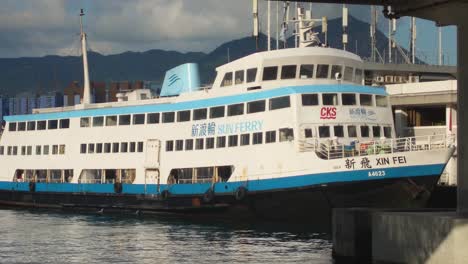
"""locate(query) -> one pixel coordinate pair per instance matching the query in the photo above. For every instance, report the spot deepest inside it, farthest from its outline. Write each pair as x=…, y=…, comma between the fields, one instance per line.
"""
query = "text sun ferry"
x=287, y=133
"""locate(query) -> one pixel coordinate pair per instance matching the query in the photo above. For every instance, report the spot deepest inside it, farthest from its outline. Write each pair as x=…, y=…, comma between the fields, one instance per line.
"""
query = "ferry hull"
x=311, y=204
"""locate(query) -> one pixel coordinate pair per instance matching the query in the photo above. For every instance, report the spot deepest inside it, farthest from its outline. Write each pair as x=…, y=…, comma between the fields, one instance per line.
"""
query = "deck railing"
x=330, y=150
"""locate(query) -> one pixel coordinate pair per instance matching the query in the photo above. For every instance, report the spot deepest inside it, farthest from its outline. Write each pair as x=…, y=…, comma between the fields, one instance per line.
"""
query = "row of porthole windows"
x=188, y=115
x=351, y=131
x=28, y=150
x=115, y=147
x=285, y=134
x=39, y=125
x=346, y=99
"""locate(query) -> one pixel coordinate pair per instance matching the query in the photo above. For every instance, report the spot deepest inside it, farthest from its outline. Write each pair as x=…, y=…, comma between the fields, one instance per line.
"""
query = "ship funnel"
x=181, y=79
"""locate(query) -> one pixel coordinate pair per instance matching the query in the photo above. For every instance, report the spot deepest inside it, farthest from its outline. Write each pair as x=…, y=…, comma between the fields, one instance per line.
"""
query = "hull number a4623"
x=379, y=173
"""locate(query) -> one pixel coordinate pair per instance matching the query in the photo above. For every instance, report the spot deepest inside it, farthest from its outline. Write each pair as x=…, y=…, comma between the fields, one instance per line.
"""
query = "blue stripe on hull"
x=245, y=97
x=229, y=187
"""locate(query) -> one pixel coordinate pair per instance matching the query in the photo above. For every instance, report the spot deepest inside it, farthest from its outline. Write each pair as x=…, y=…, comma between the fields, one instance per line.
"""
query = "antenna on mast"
x=255, y=22
x=87, y=90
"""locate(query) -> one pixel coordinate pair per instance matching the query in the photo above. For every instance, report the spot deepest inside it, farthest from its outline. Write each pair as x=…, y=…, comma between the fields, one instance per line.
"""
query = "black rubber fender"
x=165, y=195
x=32, y=186
x=208, y=196
x=118, y=187
x=241, y=193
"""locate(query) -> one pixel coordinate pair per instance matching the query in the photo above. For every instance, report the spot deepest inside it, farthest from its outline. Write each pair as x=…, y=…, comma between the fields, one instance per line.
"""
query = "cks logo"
x=328, y=113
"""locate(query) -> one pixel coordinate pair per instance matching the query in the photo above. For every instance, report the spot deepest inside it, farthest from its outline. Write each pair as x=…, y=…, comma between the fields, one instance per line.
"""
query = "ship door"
x=152, y=153
x=152, y=176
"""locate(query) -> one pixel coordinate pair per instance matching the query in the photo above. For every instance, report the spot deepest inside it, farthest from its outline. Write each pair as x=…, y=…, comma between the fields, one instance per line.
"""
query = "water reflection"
x=34, y=236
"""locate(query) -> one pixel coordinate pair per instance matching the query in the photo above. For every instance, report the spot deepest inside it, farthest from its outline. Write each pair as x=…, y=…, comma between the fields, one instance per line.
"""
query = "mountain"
x=54, y=73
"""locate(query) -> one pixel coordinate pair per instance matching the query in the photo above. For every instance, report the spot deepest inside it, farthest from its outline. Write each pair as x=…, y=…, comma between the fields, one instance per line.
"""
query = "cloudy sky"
x=42, y=27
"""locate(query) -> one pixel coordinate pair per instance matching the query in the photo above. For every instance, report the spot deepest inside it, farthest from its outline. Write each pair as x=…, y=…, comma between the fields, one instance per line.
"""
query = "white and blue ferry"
x=283, y=133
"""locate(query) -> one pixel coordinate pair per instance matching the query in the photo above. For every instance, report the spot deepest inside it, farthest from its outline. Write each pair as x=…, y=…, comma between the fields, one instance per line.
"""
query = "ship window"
x=307, y=71
x=55, y=176
x=52, y=124
x=98, y=121
x=270, y=136
x=199, y=114
x=322, y=71
x=153, y=118
x=364, y=131
x=204, y=174
x=217, y=111
x=330, y=99
x=107, y=147
x=124, y=147
x=221, y=142
x=251, y=75
x=381, y=100
x=128, y=175
x=140, y=146
x=179, y=145
x=245, y=139
x=111, y=120
x=12, y=126
x=348, y=74
x=41, y=125
x=68, y=175
x=324, y=131
x=352, y=131
x=338, y=131
x=239, y=77
x=99, y=148
x=29, y=150
x=91, y=148
x=23, y=150
x=46, y=149
x=358, y=76
x=124, y=120
x=41, y=175
x=308, y=133
x=168, y=117
x=233, y=141
x=336, y=71
x=22, y=126
x=132, y=146
x=288, y=72
x=169, y=145
x=54, y=149
x=189, y=144
x=84, y=122
x=227, y=80
x=90, y=176
x=286, y=134
x=310, y=99
x=38, y=150
x=15, y=150
x=376, y=131
x=31, y=125
x=83, y=148
x=2, y=150
x=224, y=172
x=387, y=132
x=64, y=123
x=256, y=106
x=183, y=116
x=280, y=102
x=139, y=119
x=270, y=73
x=348, y=99
x=62, y=149
x=199, y=143
x=365, y=99
x=9, y=150
x=210, y=143
x=257, y=138
x=235, y=109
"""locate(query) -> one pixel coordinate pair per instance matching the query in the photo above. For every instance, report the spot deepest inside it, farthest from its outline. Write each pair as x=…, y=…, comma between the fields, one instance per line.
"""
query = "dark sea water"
x=44, y=237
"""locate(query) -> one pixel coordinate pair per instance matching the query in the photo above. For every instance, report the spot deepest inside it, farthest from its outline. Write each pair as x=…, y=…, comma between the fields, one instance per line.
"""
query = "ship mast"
x=87, y=90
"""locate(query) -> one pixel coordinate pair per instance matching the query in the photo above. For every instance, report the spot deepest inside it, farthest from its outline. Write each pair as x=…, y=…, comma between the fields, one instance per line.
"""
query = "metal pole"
x=277, y=24
x=87, y=90
x=440, y=46
x=268, y=25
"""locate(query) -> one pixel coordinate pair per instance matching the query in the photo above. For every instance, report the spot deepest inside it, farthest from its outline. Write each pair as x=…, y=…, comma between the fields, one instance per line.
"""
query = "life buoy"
x=208, y=195
x=165, y=195
x=32, y=186
x=241, y=193
x=118, y=187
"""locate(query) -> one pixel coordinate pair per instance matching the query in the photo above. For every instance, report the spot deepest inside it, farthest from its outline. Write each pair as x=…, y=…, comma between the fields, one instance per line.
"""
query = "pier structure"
x=423, y=236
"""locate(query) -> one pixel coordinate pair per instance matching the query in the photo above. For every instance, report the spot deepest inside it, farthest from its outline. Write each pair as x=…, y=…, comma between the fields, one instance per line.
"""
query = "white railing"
x=328, y=150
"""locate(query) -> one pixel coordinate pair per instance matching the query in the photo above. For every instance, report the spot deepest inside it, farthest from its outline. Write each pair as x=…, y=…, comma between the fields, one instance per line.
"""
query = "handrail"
x=329, y=150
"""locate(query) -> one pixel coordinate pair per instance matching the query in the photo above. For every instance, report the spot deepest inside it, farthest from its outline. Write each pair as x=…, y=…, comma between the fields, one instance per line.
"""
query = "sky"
x=51, y=27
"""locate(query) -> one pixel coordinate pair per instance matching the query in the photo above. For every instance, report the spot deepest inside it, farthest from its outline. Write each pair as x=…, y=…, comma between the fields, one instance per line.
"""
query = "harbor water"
x=31, y=236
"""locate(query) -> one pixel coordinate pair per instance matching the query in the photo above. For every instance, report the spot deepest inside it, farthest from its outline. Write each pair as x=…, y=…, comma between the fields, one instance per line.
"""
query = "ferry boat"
x=288, y=133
